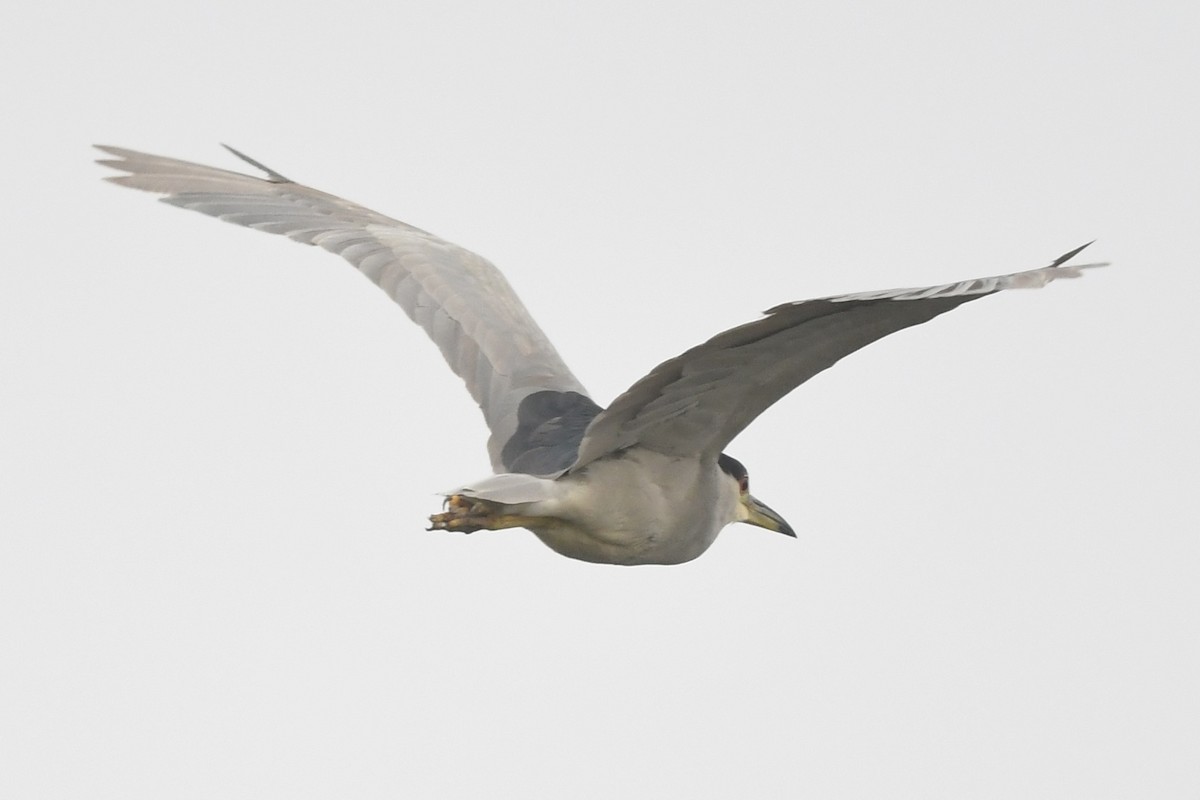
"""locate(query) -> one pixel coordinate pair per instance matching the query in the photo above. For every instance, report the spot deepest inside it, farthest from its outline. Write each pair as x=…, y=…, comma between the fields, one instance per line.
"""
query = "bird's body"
x=644, y=481
x=635, y=506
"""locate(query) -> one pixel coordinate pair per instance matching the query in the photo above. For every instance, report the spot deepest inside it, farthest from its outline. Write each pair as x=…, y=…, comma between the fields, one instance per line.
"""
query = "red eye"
x=744, y=483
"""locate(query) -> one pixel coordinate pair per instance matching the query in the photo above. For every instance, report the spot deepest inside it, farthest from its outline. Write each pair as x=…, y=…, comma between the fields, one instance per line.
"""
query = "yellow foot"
x=464, y=515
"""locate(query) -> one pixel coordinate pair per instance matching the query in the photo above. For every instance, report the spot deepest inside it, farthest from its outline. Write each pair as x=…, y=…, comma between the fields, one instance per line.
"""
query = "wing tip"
x=1027, y=279
x=272, y=175
x=135, y=162
x=113, y=158
x=1065, y=257
x=1061, y=269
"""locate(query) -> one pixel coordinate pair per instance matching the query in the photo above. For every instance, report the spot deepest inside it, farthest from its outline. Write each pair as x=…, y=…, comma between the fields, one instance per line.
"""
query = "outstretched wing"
x=696, y=403
x=461, y=300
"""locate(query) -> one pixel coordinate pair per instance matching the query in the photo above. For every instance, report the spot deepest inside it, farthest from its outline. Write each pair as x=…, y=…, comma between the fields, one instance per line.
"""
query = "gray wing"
x=461, y=300
x=695, y=404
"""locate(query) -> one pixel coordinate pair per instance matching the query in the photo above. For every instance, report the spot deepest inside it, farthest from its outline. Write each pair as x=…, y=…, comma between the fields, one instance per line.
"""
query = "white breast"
x=637, y=507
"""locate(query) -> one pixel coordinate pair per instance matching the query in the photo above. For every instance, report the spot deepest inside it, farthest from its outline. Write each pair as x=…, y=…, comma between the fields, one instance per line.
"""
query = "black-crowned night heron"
x=644, y=481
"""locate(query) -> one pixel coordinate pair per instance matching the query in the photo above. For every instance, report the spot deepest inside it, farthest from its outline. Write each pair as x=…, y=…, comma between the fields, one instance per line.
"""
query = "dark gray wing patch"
x=696, y=403
x=550, y=426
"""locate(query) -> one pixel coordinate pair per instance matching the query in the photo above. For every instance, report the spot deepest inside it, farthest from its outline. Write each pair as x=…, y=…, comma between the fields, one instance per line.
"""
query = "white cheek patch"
x=743, y=513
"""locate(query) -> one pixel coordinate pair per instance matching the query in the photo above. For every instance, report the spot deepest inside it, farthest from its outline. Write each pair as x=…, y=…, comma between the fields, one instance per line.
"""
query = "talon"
x=461, y=515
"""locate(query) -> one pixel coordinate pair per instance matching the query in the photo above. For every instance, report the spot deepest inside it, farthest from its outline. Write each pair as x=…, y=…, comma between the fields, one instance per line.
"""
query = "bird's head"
x=749, y=509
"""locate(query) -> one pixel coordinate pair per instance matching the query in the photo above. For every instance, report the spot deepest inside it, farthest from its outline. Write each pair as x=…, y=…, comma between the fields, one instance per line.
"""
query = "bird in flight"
x=644, y=481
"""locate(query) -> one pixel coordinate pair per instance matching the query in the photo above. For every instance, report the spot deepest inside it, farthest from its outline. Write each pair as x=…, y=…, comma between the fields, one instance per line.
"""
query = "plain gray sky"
x=220, y=448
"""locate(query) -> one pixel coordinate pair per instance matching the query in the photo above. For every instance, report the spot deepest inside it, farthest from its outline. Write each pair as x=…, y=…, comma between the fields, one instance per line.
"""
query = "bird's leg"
x=470, y=514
